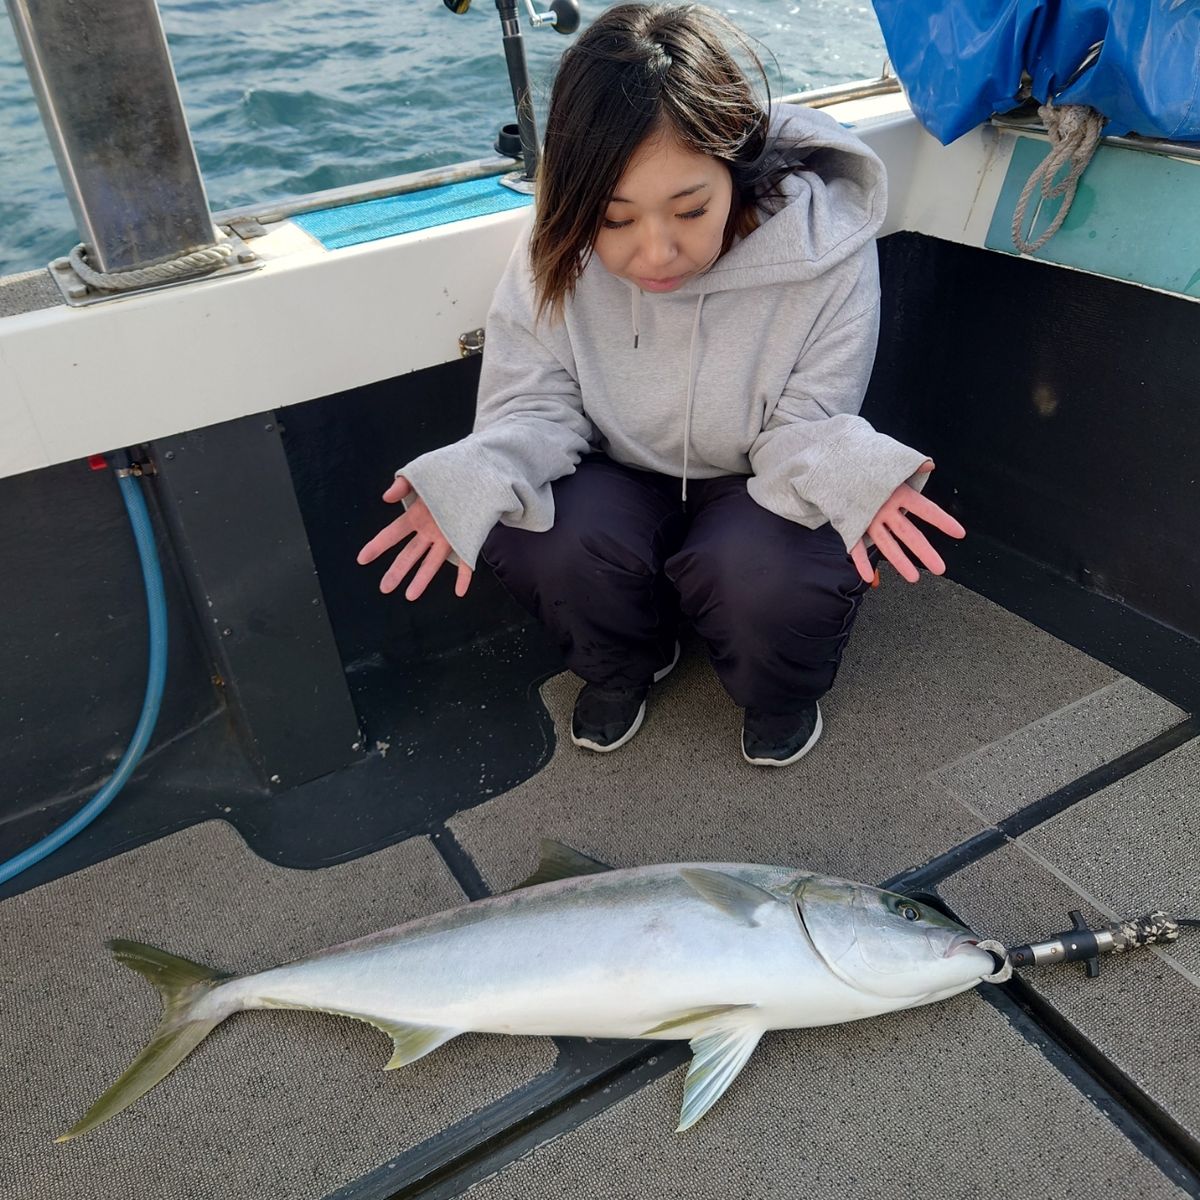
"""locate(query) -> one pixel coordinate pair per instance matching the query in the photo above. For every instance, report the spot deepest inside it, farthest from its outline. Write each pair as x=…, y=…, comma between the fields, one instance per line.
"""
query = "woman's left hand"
x=892, y=527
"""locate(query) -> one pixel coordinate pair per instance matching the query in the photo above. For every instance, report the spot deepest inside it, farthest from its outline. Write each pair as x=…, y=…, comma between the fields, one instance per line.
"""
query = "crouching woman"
x=667, y=425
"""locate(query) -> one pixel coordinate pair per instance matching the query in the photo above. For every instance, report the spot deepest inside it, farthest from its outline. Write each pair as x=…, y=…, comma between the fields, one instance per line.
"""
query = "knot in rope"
x=1074, y=133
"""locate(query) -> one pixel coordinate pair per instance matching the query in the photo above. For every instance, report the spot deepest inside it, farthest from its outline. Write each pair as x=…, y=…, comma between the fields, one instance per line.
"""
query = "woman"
x=667, y=417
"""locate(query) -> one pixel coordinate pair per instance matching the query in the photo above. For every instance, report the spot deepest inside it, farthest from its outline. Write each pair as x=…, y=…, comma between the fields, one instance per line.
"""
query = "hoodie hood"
x=831, y=205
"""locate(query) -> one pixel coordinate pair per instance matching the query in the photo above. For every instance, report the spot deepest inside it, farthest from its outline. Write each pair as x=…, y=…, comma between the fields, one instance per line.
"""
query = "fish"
x=715, y=954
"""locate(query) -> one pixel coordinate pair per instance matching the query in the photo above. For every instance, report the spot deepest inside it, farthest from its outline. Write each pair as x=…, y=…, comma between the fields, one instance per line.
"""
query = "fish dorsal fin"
x=561, y=862
x=733, y=896
x=717, y=1057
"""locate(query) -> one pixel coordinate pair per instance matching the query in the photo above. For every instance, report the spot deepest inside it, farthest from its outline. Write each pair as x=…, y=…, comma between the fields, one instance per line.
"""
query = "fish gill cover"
x=1135, y=61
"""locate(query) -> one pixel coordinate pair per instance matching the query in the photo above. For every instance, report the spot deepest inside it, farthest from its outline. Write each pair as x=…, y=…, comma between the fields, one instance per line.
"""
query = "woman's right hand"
x=428, y=546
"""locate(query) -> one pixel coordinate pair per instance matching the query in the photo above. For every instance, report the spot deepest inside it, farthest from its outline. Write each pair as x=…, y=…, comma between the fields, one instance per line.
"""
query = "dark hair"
x=637, y=70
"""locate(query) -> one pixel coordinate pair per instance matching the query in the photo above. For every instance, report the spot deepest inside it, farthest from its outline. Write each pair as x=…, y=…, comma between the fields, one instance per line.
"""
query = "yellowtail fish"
x=711, y=953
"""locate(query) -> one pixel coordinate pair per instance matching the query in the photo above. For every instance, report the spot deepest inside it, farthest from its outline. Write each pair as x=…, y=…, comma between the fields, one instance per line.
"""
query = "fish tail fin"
x=182, y=984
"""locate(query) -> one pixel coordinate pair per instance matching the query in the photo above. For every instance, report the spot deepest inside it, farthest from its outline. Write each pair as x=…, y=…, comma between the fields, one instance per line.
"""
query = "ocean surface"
x=285, y=97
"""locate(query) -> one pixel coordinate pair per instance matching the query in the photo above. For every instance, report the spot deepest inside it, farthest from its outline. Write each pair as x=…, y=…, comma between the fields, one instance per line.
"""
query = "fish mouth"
x=959, y=943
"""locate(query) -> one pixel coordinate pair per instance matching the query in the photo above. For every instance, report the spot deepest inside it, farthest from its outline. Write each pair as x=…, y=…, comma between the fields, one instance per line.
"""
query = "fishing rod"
x=522, y=140
x=1082, y=943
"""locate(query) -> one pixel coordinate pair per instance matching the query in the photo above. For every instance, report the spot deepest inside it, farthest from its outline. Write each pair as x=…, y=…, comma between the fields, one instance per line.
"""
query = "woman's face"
x=665, y=221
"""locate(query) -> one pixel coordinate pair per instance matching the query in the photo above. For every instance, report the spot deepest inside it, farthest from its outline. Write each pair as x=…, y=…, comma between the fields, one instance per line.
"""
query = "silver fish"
x=712, y=953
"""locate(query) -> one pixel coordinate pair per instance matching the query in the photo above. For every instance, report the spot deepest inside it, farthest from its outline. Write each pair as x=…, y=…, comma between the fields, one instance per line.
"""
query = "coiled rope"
x=196, y=263
x=1074, y=133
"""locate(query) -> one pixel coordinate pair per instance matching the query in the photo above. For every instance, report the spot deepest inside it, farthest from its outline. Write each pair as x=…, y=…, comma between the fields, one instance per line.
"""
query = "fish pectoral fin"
x=717, y=1057
x=702, y=1018
x=734, y=897
x=557, y=861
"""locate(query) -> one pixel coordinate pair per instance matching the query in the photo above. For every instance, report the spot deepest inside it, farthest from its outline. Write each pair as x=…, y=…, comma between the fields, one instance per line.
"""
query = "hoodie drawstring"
x=635, y=319
x=691, y=393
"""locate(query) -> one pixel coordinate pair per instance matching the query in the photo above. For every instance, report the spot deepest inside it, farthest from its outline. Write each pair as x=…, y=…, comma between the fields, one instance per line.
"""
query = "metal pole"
x=103, y=80
x=518, y=75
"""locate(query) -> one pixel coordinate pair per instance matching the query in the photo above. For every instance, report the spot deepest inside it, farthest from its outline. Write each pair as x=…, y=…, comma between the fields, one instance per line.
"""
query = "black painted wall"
x=344, y=451
x=1062, y=410
x=74, y=642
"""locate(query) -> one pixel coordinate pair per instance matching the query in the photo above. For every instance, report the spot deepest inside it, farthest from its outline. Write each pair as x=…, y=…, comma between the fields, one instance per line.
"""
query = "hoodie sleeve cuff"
x=873, y=466
x=463, y=493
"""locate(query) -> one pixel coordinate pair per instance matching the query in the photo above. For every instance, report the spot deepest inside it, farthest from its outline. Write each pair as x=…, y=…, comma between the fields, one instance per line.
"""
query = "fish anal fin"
x=733, y=896
x=557, y=861
x=410, y=1042
x=717, y=1057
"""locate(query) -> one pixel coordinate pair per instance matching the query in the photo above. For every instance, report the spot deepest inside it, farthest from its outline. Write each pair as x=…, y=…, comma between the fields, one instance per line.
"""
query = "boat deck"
x=1016, y=768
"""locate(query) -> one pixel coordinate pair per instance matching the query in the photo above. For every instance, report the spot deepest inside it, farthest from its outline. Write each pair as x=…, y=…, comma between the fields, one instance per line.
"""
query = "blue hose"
x=139, y=518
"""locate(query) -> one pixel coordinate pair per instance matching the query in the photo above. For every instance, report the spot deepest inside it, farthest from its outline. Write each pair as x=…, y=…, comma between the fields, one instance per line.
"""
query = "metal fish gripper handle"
x=1083, y=944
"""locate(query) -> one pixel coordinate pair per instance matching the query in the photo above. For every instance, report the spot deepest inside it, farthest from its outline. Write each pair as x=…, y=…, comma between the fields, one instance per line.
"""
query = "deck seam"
x=458, y=862
x=1031, y=816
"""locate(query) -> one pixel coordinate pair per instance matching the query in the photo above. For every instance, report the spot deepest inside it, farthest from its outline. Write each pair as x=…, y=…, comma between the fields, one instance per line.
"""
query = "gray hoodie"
x=757, y=367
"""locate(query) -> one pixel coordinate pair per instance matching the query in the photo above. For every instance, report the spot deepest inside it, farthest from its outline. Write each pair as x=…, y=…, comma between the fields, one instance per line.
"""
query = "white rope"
x=1074, y=133
x=196, y=262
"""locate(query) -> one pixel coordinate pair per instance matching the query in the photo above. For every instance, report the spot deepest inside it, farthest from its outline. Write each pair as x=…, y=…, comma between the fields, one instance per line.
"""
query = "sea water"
x=285, y=97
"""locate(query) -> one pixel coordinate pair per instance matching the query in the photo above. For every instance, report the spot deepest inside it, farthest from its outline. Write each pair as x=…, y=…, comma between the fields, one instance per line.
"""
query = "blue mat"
x=353, y=224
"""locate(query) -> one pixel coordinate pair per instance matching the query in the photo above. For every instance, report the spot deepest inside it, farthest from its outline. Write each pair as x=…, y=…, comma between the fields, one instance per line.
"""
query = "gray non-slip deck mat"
x=27, y=292
x=1035, y=761
x=933, y=672
x=942, y=1103
x=1124, y=851
x=272, y=1105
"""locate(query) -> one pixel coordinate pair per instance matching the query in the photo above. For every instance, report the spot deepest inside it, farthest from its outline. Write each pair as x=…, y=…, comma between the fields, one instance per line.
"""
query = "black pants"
x=774, y=601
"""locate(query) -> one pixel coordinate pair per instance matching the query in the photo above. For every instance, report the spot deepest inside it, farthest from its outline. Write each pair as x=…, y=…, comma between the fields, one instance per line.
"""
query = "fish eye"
x=910, y=912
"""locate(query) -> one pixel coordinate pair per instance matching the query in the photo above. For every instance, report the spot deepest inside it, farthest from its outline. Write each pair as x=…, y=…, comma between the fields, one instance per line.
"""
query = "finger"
x=398, y=490
x=465, y=575
x=934, y=514
x=925, y=467
x=404, y=562
x=858, y=555
x=890, y=549
x=435, y=556
x=917, y=542
x=391, y=535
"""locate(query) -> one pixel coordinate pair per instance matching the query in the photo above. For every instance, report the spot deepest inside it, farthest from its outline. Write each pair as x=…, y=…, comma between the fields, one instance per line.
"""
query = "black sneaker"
x=606, y=718
x=771, y=740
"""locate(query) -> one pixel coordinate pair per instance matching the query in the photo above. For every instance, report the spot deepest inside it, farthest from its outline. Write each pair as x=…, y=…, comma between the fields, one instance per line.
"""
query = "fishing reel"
x=521, y=140
x=563, y=14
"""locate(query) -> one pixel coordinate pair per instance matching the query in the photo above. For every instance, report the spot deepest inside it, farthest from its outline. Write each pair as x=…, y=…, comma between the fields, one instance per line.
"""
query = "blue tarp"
x=961, y=60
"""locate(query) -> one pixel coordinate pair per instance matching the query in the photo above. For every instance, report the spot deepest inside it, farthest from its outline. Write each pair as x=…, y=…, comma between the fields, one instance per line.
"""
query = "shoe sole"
x=787, y=762
x=662, y=674
x=589, y=745
x=637, y=721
